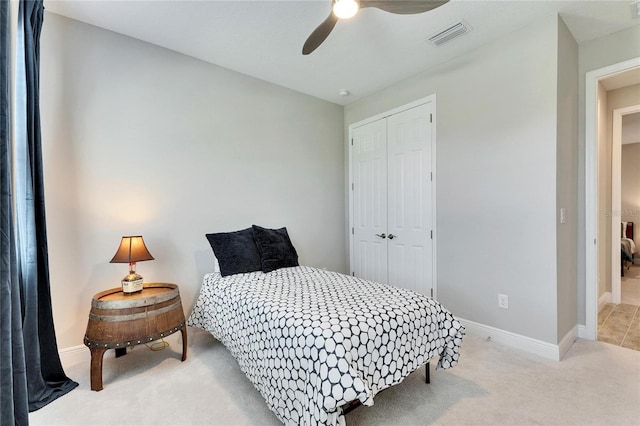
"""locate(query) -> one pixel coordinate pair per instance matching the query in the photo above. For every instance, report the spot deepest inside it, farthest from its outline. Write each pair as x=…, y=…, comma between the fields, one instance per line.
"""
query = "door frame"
x=591, y=190
x=616, y=197
x=428, y=99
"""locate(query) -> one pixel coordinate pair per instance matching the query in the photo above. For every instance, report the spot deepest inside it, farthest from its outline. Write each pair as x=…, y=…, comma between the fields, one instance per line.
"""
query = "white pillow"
x=216, y=265
x=624, y=230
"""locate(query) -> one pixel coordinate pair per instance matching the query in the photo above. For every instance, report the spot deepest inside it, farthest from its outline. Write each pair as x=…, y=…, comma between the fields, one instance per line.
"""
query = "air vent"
x=449, y=33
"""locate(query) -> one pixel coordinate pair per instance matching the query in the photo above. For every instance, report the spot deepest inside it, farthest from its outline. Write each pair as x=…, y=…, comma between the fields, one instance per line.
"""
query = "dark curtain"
x=28, y=280
x=13, y=379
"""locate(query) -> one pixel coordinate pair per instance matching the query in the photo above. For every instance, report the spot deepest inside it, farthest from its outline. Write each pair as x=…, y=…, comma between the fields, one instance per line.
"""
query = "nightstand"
x=119, y=321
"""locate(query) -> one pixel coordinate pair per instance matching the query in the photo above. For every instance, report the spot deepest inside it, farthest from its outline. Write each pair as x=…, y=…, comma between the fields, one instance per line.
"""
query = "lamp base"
x=132, y=283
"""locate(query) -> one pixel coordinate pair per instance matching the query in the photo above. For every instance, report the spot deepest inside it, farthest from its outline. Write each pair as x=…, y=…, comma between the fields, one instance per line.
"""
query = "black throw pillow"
x=276, y=250
x=236, y=252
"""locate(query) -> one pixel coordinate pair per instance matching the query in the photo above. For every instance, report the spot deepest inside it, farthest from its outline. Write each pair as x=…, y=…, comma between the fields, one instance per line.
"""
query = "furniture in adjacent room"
x=627, y=245
x=391, y=197
x=118, y=320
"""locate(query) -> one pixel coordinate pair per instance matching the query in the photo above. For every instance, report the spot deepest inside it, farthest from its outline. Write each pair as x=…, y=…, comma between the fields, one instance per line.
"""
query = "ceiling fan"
x=344, y=9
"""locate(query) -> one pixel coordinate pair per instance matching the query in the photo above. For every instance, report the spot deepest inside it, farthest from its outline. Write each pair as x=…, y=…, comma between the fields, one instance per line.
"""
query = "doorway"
x=593, y=203
x=618, y=214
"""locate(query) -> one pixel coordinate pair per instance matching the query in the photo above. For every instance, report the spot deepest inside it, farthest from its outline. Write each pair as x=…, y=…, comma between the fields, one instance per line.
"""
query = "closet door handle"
x=391, y=236
x=381, y=235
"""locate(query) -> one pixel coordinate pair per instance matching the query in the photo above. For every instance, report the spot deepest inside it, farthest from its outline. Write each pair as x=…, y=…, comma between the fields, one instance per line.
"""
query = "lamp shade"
x=131, y=250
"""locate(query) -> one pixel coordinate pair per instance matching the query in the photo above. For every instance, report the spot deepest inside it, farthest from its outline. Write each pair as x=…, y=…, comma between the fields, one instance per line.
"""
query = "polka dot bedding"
x=312, y=340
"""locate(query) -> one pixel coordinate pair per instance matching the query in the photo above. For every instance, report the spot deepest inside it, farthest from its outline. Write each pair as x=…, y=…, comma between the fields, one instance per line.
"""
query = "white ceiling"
x=371, y=51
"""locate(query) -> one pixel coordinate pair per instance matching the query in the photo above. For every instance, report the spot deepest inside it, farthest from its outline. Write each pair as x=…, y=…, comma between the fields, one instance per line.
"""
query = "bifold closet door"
x=392, y=200
x=370, y=201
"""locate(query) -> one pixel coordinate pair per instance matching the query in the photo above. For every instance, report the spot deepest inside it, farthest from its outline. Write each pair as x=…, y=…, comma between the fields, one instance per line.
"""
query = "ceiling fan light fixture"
x=345, y=9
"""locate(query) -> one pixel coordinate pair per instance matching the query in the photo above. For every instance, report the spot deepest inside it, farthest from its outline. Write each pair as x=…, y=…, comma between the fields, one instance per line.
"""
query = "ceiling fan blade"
x=319, y=34
x=403, y=7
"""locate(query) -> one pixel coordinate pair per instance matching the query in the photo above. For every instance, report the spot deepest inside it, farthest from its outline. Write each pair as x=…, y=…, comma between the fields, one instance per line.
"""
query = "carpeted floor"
x=595, y=384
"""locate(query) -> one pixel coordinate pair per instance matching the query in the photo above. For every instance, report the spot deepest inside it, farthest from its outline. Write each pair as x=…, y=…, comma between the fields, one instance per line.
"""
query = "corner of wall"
x=566, y=179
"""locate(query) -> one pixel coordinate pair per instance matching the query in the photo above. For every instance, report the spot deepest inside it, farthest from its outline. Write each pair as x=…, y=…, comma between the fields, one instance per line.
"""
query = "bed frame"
x=355, y=404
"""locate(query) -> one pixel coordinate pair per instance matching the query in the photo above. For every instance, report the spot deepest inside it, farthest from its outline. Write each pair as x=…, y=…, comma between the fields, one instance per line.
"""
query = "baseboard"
x=567, y=341
x=582, y=331
x=75, y=355
x=604, y=299
x=527, y=344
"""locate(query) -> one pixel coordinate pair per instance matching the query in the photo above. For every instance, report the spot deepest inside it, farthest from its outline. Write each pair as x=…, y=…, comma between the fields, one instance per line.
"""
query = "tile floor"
x=620, y=325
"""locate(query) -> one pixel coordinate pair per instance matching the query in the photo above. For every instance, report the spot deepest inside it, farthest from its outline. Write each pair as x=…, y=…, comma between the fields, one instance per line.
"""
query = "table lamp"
x=132, y=250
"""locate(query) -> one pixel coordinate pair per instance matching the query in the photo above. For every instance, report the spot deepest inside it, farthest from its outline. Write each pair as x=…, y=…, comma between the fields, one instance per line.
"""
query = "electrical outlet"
x=503, y=301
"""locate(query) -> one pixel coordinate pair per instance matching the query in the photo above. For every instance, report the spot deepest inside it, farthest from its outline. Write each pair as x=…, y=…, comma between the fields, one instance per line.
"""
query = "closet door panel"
x=409, y=196
x=406, y=267
x=369, y=168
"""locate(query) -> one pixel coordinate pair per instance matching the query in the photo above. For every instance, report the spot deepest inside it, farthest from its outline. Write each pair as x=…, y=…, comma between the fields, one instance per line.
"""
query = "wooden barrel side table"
x=119, y=321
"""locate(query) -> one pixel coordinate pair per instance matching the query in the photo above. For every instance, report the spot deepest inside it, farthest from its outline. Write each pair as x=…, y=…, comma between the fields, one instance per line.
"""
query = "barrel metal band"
x=131, y=317
x=92, y=344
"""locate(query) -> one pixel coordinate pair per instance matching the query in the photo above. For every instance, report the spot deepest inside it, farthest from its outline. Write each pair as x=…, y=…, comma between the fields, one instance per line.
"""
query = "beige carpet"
x=595, y=384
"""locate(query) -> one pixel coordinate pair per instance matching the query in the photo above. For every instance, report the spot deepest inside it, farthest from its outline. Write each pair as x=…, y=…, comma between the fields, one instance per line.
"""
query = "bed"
x=627, y=245
x=314, y=342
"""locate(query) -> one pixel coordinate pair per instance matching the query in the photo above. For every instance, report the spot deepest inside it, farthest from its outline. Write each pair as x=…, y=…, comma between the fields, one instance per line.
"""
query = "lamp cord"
x=157, y=345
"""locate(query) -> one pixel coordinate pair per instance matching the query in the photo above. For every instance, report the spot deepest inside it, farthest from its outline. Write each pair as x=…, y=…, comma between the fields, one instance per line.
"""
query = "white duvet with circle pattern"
x=312, y=340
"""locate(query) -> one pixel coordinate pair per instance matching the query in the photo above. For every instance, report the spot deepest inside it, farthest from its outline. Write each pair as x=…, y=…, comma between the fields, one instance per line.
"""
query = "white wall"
x=567, y=179
x=496, y=177
x=631, y=187
x=142, y=140
x=593, y=55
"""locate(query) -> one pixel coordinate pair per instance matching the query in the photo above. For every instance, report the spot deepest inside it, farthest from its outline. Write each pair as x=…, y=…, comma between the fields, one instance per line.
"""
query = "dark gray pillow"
x=275, y=248
x=236, y=252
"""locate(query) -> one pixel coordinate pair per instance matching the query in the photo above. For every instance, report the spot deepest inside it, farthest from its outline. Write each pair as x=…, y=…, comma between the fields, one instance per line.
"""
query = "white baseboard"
x=567, y=341
x=604, y=299
x=582, y=331
x=527, y=344
x=75, y=355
